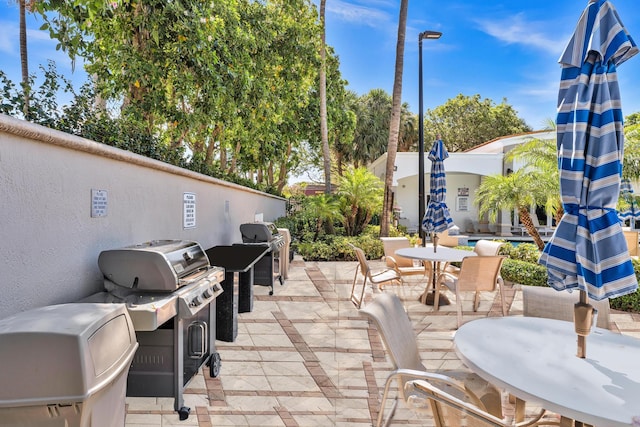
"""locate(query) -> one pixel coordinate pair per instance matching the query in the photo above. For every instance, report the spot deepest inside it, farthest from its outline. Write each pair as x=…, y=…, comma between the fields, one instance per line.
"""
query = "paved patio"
x=305, y=357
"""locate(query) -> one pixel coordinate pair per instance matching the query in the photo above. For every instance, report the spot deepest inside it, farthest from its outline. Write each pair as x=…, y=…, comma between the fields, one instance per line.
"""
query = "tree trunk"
x=394, y=126
x=324, y=131
x=282, y=176
x=24, y=61
x=526, y=220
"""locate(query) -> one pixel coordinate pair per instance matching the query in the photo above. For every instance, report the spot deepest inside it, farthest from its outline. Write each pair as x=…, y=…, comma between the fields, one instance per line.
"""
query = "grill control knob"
x=196, y=302
x=207, y=293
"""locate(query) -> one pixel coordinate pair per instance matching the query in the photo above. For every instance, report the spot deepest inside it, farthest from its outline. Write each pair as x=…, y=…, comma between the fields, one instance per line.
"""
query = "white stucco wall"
x=49, y=243
x=464, y=170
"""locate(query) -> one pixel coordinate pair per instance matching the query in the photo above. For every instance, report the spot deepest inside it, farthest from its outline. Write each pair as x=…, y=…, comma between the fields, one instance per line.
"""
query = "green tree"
x=466, y=121
x=326, y=210
x=541, y=155
x=517, y=191
x=324, y=132
x=228, y=80
x=394, y=123
x=372, y=127
x=361, y=195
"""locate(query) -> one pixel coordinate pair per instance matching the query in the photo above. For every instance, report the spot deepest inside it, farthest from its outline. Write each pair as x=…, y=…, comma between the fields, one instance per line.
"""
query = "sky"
x=499, y=49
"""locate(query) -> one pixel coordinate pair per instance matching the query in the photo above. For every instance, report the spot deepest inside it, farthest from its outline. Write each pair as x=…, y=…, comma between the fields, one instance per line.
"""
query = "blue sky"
x=499, y=49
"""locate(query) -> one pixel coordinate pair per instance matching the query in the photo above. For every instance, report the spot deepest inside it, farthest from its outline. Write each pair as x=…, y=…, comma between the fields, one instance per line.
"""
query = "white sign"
x=98, y=203
x=189, y=210
x=462, y=204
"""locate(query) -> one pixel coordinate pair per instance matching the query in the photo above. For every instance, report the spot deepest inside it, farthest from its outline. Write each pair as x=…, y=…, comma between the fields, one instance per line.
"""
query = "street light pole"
x=434, y=35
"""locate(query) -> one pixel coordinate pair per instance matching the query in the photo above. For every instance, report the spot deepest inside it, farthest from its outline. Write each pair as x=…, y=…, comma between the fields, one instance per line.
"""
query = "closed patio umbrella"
x=631, y=212
x=437, y=218
x=588, y=250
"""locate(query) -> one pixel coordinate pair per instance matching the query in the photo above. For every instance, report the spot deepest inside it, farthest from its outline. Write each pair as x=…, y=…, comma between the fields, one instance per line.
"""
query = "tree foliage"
x=517, y=191
x=231, y=81
x=361, y=194
x=466, y=121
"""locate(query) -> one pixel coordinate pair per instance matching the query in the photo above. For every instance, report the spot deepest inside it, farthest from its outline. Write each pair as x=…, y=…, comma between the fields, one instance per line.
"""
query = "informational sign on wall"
x=98, y=203
x=462, y=204
x=189, y=210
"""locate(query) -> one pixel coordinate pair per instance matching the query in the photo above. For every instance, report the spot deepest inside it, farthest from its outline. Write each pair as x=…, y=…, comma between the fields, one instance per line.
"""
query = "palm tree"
x=326, y=209
x=372, y=128
x=24, y=62
x=541, y=155
x=519, y=190
x=394, y=125
x=361, y=193
x=324, y=132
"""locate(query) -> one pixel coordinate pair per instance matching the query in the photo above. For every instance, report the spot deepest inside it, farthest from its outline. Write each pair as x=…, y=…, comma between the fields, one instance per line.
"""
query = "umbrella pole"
x=434, y=239
x=583, y=314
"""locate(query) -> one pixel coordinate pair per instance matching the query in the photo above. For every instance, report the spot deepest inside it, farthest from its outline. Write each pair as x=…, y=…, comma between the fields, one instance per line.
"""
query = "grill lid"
x=157, y=265
x=257, y=232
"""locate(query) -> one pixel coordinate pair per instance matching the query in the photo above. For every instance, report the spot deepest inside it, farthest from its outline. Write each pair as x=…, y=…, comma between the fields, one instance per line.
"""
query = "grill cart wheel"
x=214, y=364
x=183, y=413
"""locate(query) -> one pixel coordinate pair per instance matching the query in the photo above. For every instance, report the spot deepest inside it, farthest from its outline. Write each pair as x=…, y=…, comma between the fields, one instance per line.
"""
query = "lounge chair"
x=476, y=274
x=395, y=329
x=378, y=277
x=542, y=229
x=403, y=266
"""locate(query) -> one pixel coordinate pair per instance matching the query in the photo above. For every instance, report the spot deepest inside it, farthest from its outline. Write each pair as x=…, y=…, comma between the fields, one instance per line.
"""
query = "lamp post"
x=434, y=35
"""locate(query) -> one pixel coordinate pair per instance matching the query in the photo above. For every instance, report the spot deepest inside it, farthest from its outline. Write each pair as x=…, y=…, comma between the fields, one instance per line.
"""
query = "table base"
x=430, y=300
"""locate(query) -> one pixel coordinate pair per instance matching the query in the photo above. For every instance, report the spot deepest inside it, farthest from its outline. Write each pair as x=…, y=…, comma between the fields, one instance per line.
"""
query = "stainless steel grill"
x=268, y=269
x=262, y=232
x=169, y=289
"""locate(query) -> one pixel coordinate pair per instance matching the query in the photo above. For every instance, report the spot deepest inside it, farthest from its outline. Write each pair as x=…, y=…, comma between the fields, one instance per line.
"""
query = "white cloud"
x=9, y=38
x=517, y=30
x=360, y=14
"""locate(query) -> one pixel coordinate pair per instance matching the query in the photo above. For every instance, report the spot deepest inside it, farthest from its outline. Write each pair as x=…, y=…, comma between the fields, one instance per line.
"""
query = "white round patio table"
x=535, y=360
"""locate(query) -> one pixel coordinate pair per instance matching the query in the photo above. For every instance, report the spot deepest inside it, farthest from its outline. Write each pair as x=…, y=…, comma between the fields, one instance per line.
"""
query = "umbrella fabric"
x=588, y=249
x=437, y=218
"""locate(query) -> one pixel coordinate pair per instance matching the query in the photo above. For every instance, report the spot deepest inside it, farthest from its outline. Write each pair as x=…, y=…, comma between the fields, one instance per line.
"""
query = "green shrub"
x=629, y=302
x=524, y=273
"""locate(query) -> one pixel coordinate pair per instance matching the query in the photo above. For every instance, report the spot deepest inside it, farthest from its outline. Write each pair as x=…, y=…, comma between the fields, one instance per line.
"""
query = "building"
x=465, y=171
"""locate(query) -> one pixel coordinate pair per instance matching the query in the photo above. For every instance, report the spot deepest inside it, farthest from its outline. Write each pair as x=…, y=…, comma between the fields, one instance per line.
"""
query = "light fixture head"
x=430, y=35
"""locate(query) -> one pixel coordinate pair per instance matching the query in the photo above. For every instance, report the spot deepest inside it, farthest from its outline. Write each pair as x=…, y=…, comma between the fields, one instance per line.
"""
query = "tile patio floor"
x=305, y=357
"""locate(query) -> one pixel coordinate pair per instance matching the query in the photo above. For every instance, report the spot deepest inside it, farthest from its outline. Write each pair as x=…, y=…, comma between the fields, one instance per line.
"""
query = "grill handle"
x=197, y=336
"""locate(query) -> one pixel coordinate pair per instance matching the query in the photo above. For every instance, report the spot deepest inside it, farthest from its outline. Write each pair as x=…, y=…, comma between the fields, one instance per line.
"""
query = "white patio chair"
x=396, y=331
x=543, y=301
x=404, y=266
x=453, y=405
x=378, y=278
x=477, y=274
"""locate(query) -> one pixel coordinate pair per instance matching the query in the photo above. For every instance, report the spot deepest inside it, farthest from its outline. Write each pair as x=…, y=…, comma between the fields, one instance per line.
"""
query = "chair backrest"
x=485, y=247
x=451, y=404
x=543, y=301
x=632, y=242
x=445, y=239
x=362, y=260
x=391, y=245
x=479, y=273
x=396, y=331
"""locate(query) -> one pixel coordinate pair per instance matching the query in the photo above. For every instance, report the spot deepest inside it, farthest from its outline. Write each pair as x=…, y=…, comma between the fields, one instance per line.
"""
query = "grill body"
x=268, y=269
x=170, y=291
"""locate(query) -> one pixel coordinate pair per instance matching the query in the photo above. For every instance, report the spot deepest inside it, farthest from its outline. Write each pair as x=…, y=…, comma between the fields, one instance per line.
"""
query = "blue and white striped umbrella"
x=437, y=218
x=588, y=249
x=632, y=212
